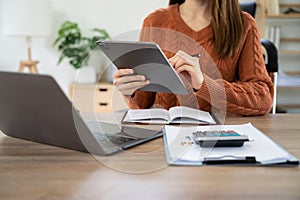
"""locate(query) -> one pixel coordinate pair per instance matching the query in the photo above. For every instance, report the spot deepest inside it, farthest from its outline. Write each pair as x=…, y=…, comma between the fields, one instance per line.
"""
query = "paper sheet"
x=182, y=149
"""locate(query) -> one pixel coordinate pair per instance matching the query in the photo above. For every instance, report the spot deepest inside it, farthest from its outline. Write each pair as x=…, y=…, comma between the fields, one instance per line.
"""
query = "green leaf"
x=57, y=40
x=61, y=57
x=102, y=32
x=76, y=47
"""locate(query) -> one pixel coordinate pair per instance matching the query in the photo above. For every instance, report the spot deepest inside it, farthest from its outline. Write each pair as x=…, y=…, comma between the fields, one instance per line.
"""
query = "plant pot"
x=86, y=75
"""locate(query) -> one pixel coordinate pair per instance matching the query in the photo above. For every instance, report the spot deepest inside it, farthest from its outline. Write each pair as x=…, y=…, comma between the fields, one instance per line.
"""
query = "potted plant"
x=75, y=46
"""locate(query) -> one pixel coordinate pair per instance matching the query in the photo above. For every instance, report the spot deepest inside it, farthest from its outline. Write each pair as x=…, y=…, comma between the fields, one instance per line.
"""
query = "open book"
x=175, y=115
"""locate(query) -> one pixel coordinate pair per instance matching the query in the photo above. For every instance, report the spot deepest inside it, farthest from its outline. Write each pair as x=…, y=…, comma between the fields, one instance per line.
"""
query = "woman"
x=231, y=39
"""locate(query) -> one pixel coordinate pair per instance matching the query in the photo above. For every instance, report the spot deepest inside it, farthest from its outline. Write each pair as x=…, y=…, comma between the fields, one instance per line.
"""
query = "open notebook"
x=181, y=149
x=175, y=115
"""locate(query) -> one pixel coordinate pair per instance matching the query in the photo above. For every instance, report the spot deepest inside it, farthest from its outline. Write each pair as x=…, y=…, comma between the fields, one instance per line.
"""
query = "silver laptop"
x=33, y=107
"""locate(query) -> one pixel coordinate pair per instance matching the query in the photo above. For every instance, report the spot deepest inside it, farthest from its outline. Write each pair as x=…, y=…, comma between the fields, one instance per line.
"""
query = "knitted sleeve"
x=252, y=93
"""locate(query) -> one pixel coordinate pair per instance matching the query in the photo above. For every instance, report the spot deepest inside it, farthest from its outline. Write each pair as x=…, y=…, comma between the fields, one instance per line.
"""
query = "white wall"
x=116, y=16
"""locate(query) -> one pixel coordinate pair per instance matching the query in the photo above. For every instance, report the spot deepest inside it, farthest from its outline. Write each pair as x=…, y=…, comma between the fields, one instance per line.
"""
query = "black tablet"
x=145, y=58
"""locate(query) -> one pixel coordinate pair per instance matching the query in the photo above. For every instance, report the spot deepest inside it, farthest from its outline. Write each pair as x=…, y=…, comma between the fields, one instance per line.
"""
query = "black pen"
x=196, y=55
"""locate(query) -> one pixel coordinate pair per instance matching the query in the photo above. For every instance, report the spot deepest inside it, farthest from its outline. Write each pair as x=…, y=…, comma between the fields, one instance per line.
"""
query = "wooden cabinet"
x=100, y=97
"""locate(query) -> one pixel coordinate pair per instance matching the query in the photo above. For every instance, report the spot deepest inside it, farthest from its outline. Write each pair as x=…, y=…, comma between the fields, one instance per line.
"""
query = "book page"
x=182, y=114
x=156, y=115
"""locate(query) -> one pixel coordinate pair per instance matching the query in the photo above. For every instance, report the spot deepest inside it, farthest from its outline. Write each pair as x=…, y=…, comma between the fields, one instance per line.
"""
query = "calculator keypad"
x=216, y=133
x=228, y=138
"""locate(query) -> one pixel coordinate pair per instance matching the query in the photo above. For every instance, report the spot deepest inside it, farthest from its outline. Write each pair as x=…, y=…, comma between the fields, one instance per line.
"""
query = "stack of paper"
x=182, y=150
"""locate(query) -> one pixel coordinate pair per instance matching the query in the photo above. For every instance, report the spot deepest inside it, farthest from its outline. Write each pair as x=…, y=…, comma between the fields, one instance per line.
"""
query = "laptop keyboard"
x=118, y=136
x=118, y=139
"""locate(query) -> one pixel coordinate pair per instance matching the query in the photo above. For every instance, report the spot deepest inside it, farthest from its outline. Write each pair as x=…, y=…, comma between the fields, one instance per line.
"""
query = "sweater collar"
x=200, y=36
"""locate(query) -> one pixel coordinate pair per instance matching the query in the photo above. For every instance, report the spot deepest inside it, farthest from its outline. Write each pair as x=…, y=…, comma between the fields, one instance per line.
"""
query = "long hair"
x=227, y=24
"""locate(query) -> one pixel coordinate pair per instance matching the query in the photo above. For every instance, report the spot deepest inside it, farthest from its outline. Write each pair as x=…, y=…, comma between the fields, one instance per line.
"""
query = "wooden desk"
x=35, y=171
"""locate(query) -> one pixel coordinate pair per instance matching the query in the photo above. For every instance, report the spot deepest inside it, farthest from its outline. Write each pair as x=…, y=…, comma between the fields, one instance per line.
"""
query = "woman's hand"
x=189, y=67
x=127, y=83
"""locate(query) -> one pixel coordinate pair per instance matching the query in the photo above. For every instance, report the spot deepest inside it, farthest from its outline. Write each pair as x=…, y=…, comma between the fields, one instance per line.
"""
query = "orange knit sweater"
x=238, y=84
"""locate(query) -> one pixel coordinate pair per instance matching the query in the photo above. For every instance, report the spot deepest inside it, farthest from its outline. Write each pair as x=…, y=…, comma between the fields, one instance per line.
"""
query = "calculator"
x=228, y=138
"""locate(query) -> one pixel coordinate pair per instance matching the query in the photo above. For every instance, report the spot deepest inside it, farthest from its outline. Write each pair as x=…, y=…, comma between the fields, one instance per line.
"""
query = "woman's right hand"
x=127, y=83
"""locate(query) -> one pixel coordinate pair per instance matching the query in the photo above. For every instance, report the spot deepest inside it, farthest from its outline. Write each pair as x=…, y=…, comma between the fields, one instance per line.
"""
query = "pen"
x=196, y=55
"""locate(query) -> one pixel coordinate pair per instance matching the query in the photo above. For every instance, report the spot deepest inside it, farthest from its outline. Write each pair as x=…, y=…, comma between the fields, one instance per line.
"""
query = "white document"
x=181, y=149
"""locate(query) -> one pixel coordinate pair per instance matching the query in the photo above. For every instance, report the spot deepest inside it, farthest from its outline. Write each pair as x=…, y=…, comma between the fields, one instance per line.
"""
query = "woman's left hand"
x=189, y=67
